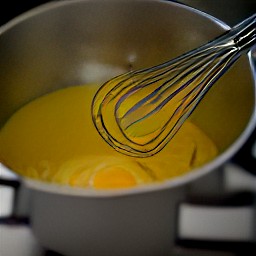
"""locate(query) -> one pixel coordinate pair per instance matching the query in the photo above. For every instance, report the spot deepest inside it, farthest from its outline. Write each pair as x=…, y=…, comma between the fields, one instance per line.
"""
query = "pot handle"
x=11, y=216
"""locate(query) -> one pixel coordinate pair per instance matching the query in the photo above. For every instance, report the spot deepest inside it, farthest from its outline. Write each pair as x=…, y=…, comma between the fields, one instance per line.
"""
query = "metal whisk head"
x=139, y=112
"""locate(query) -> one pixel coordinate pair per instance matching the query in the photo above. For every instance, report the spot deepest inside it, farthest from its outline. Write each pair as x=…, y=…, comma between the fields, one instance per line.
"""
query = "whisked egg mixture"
x=53, y=139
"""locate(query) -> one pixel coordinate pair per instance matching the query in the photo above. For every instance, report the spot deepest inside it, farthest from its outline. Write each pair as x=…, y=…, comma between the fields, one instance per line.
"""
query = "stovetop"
x=207, y=224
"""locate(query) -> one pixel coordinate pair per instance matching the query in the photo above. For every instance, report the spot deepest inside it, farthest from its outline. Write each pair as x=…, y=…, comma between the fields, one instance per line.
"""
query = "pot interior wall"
x=91, y=41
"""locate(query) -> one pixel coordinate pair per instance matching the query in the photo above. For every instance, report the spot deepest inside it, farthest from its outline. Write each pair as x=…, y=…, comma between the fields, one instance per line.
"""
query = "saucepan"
x=65, y=43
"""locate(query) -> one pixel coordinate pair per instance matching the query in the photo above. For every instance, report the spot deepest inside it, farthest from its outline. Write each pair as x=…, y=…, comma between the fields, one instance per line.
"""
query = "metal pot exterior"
x=131, y=225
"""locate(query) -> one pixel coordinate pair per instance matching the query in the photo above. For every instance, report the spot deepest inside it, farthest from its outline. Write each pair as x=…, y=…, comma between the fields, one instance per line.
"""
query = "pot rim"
x=146, y=188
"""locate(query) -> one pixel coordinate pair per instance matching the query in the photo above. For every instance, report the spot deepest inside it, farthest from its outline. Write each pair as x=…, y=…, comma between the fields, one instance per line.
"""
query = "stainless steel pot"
x=67, y=43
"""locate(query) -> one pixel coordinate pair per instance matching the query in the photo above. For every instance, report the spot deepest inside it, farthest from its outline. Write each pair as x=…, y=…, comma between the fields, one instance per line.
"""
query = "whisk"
x=139, y=112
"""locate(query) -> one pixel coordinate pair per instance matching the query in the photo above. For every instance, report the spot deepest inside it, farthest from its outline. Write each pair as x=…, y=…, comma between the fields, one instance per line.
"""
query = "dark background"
x=230, y=11
x=11, y=9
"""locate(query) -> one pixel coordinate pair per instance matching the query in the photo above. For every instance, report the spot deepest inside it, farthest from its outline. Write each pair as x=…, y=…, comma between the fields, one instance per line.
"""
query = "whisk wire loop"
x=139, y=112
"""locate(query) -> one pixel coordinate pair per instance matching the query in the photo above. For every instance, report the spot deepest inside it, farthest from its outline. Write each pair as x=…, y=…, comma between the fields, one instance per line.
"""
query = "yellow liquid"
x=53, y=139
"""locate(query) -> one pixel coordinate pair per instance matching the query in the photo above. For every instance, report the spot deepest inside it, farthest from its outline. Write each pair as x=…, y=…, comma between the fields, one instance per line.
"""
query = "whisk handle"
x=244, y=33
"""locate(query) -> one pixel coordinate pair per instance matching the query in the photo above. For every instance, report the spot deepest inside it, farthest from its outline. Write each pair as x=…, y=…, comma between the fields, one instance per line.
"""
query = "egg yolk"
x=115, y=177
